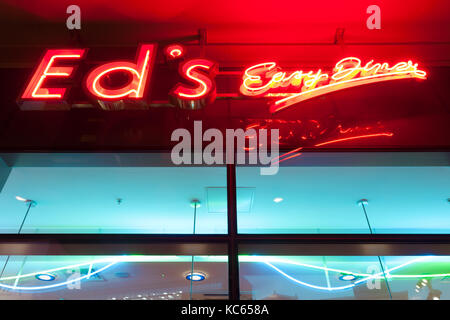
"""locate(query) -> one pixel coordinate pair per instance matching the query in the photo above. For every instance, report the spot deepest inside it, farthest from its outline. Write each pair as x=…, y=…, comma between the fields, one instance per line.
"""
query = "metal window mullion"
x=233, y=254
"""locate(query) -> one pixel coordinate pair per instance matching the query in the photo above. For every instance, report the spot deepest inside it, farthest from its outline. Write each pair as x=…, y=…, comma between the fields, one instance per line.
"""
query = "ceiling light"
x=434, y=294
x=195, y=276
x=28, y=201
x=363, y=202
x=195, y=203
x=347, y=277
x=45, y=277
x=23, y=199
x=277, y=200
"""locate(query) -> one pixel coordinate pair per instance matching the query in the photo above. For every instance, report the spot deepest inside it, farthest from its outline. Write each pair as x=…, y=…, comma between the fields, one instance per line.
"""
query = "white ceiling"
x=324, y=200
x=154, y=200
x=157, y=200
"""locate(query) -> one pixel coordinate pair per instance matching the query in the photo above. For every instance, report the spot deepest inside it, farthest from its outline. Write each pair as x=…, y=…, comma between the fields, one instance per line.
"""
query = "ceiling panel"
x=157, y=200
x=152, y=200
x=324, y=200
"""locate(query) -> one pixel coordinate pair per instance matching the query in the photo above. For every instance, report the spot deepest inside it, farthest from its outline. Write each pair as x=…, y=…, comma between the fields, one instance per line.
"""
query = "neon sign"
x=174, y=51
x=198, y=74
x=204, y=90
x=138, y=71
x=295, y=86
x=198, y=87
x=46, y=69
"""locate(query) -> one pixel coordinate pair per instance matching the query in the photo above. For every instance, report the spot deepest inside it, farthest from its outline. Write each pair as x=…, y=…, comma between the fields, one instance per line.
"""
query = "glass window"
x=344, y=277
x=114, y=200
x=324, y=200
x=131, y=277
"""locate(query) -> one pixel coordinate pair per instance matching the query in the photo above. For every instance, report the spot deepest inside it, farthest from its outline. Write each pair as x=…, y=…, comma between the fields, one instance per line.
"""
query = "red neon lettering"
x=204, y=82
x=46, y=69
x=139, y=71
x=262, y=78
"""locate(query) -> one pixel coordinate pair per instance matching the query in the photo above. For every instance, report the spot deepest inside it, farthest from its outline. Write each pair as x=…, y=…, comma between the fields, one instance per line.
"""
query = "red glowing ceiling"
x=249, y=21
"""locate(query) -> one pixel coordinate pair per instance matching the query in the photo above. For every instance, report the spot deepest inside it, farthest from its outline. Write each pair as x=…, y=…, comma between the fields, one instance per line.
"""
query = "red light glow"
x=174, y=51
x=387, y=134
x=284, y=156
x=292, y=153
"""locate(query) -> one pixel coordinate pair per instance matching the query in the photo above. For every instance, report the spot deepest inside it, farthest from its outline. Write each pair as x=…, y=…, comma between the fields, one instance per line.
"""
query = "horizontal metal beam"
x=361, y=249
x=345, y=244
x=239, y=54
x=112, y=244
x=397, y=43
x=262, y=244
x=162, y=158
x=344, y=238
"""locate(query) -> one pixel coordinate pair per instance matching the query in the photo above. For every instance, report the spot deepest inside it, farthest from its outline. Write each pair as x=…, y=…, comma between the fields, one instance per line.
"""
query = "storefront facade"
x=94, y=206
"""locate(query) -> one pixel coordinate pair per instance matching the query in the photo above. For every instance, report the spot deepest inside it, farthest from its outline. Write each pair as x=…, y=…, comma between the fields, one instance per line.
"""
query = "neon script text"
x=263, y=79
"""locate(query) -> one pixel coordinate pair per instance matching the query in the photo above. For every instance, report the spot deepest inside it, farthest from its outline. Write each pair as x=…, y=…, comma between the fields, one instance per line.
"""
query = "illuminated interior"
x=115, y=200
x=112, y=277
x=262, y=277
x=324, y=200
x=345, y=277
x=141, y=200
x=298, y=200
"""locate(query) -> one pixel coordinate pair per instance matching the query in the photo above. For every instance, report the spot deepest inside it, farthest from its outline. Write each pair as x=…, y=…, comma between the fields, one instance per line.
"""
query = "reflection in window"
x=344, y=277
x=113, y=277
